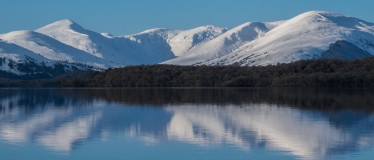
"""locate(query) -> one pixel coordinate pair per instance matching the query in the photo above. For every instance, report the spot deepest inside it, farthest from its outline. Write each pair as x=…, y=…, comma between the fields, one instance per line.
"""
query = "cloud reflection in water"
x=62, y=123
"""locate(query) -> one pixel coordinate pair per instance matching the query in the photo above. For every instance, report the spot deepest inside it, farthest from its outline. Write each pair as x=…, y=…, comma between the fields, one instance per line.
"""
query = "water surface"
x=186, y=124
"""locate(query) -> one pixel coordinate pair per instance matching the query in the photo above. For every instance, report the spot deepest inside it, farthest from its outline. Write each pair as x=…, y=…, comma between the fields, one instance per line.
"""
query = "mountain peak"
x=154, y=31
x=318, y=15
x=317, y=12
x=66, y=24
x=322, y=18
x=253, y=24
x=209, y=27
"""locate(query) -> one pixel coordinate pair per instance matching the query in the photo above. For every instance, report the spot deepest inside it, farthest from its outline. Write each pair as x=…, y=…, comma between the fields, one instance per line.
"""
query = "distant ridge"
x=306, y=36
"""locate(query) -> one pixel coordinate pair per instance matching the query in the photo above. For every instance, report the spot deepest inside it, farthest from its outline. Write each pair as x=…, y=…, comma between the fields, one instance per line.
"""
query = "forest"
x=305, y=73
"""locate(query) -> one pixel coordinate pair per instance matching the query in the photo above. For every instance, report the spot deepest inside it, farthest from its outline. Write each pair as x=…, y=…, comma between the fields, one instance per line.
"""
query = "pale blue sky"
x=121, y=17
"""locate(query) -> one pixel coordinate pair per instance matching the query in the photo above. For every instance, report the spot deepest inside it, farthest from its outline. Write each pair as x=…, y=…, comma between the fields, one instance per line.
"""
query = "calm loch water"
x=186, y=124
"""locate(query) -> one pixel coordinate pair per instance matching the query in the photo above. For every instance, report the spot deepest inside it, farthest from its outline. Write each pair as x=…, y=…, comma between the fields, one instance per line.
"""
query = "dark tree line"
x=305, y=73
x=307, y=98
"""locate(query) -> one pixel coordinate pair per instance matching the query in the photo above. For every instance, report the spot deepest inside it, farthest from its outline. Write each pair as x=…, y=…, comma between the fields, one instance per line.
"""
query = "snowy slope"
x=344, y=51
x=151, y=46
x=11, y=54
x=99, y=45
x=51, y=49
x=304, y=37
x=18, y=62
x=18, y=53
x=186, y=40
x=225, y=43
x=72, y=34
x=165, y=44
x=147, y=47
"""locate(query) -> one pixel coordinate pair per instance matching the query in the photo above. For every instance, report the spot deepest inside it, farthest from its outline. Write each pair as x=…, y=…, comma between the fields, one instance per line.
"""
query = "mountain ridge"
x=305, y=36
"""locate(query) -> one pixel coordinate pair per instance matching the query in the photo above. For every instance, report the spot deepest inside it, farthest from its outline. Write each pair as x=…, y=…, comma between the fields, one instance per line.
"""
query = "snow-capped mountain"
x=305, y=36
x=50, y=48
x=11, y=55
x=72, y=34
x=224, y=44
x=186, y=40
x=150, y=46
x=113, y=51
x=18, y=62
x=311, y=35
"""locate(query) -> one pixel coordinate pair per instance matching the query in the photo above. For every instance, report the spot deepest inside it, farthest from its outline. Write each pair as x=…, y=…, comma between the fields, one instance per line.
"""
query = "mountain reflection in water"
x=307, y=124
